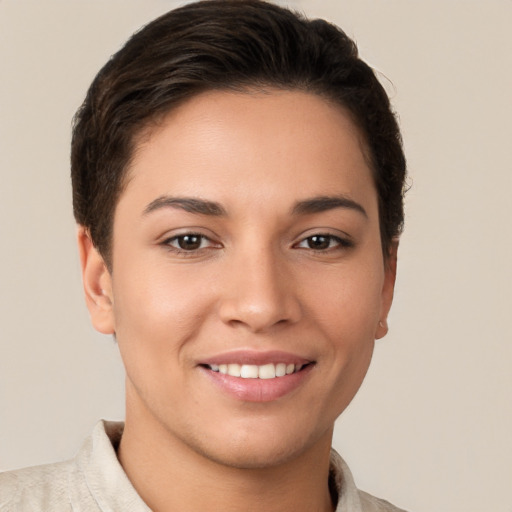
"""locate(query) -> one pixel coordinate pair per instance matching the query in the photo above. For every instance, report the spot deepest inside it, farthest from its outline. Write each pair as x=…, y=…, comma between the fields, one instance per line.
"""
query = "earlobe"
x=382, y=329
x=97, y=283
x=388, y=289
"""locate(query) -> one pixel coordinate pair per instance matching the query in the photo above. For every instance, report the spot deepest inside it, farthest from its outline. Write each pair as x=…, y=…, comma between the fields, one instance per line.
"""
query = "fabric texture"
x=94, y=481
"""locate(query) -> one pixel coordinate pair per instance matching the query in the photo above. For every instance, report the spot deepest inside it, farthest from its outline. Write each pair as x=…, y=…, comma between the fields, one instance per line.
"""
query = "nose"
x=259, y=293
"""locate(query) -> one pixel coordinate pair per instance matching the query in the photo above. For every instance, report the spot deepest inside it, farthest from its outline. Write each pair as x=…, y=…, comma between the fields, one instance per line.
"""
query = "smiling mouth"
x=252, y=371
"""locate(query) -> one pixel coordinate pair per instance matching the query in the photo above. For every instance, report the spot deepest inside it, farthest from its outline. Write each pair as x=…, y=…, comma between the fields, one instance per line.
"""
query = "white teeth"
x=234, y=370
x=267, y=371
x=281, y=369
x=252, y=371
x=249, y=371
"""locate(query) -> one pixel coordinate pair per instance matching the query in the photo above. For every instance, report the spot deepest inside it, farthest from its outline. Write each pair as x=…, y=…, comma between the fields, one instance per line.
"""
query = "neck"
x=169, y=475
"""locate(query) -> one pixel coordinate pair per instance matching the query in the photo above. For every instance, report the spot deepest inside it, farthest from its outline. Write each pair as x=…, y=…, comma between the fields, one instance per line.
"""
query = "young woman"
x=237, y=181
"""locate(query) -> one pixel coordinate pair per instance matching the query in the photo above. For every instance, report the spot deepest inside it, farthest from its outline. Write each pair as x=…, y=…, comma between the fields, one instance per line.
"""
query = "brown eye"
x=324, y=242
x=187, y=242
x=319, y=242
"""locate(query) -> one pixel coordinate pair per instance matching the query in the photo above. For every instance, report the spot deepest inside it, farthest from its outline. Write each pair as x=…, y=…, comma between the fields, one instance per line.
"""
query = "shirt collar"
x=105, y=478
x=111, y=489
x=343, y=481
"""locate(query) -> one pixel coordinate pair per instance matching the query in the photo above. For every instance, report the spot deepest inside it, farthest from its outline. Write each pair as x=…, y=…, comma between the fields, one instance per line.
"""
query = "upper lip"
x=255, y=357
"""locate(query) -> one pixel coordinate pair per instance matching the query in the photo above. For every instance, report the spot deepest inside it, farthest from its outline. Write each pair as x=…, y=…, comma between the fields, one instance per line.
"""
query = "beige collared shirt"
x=94, y=481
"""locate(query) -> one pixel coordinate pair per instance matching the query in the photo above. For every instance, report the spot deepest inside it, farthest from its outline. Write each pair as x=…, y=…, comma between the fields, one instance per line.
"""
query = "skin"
x=256, y=282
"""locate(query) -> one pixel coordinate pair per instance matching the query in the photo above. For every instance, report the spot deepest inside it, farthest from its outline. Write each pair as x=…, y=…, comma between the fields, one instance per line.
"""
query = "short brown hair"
x=224, y=45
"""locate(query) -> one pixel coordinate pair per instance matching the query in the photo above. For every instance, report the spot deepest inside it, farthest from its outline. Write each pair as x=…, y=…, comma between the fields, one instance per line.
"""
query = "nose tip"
x=255, y=317
x=259, y=297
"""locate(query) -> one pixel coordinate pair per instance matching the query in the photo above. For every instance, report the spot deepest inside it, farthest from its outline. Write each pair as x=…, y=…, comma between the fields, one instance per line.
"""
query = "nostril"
x=257, y=296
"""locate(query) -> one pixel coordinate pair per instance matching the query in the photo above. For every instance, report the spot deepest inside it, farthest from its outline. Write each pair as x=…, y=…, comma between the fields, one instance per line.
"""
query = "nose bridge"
x=260, y=293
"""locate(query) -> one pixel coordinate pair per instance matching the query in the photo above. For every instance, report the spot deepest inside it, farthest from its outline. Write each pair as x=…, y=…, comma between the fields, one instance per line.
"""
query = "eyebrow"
x=188, y=204
x=324, y=203
x=204, y=207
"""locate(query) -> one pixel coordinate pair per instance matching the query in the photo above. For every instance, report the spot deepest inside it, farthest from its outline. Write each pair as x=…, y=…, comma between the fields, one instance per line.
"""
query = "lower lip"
x=259, y=390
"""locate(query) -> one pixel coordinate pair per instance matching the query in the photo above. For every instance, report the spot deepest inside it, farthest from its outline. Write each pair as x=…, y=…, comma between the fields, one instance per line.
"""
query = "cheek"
x=156, y=314
x=347, y=303
x=348, y=318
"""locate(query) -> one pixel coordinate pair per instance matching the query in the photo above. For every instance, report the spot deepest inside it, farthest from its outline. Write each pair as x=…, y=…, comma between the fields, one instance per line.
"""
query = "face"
x=248, y=281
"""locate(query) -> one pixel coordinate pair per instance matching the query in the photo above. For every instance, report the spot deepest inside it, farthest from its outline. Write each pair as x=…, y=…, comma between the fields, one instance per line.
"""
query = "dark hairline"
x=136, y=89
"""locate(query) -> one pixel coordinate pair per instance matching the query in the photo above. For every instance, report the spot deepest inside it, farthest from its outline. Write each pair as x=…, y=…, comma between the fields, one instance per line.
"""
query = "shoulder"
x=92, y=481
x=372, y=504
x=36, y=488
x=350, y=498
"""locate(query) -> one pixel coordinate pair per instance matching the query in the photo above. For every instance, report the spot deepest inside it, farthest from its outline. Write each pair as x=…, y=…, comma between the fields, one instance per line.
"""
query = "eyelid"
x=177, y=232
x=168, y=238
x=191, y=235
x=345, y=241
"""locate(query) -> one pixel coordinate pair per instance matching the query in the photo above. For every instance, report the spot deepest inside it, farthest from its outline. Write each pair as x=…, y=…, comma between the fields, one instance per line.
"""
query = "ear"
x=388, y=289
x=97, y=283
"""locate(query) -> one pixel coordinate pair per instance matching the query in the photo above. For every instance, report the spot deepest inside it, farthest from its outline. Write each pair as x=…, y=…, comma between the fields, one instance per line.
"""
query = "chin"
x=251, y=457
x=257, y=449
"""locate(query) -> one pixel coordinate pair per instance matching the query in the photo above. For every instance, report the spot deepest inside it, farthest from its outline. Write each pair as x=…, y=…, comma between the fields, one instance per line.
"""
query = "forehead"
x=269, y=143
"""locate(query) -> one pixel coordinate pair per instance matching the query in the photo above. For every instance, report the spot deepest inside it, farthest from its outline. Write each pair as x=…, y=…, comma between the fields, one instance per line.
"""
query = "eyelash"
x=334, y=243
x=339, y=243
x=188, y=252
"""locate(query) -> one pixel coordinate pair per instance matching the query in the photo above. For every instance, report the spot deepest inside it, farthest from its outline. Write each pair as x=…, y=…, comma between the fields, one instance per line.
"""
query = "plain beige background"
x=431, y=429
